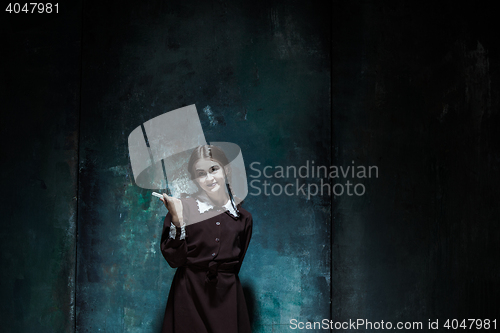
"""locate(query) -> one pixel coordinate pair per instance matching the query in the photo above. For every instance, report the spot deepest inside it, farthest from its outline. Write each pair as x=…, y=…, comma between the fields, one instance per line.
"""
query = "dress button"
x=217, y=239
x=213, y=254
x=218, y=223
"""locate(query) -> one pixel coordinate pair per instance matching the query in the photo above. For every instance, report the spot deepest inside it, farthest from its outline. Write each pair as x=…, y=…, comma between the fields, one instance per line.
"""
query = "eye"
x=201, y=173
x=215, y=168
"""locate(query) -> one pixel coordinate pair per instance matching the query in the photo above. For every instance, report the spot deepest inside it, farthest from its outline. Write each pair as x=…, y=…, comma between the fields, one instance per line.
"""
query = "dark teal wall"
x=39, y=106
x=410, y=88
x=416, y=92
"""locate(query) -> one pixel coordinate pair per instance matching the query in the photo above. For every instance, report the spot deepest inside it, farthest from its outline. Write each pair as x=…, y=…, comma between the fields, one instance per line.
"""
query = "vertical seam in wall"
x=75, y=284
x=332, y=161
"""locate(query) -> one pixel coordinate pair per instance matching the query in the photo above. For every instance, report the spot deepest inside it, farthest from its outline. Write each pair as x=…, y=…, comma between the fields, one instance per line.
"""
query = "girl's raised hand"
x=174, y=206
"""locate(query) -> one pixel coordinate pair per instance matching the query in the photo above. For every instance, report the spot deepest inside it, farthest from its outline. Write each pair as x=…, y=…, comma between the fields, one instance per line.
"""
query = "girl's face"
x=209, y=175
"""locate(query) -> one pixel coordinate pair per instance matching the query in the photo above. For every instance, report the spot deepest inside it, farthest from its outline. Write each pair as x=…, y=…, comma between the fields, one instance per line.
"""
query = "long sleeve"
x=173, y=243
x=245, y=241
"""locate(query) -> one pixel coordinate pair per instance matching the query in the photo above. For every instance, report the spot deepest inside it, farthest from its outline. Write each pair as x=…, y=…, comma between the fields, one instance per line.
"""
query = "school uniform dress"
x=206, y=294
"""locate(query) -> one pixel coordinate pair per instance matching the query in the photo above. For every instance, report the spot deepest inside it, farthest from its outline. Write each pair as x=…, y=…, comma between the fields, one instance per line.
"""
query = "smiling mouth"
x=212, y=185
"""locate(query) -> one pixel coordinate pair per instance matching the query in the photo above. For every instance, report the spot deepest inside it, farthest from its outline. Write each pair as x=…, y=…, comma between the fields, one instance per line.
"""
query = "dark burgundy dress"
x=206, y=295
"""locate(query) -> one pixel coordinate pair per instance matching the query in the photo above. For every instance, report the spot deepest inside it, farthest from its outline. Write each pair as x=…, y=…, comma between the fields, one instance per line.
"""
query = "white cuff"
x=173, y=231
x=183, y=232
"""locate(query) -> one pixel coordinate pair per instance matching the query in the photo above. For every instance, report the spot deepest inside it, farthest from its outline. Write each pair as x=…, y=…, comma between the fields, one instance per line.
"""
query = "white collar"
x=205, y=204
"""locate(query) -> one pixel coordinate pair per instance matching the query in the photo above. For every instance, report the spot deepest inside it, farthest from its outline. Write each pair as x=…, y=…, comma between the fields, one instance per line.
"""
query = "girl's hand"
x=174, y=206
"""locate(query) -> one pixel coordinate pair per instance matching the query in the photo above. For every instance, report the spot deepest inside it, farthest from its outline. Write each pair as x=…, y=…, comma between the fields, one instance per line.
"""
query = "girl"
x=206, y=237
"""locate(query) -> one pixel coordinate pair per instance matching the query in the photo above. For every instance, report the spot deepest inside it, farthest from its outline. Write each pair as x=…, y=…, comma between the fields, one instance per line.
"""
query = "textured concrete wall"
x=416, y=93
x=263, y=68
x=39, y=103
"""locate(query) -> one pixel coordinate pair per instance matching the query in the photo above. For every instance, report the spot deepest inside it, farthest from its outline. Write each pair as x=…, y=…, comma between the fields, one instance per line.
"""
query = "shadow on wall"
x=161, y=315
x=250, y=300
